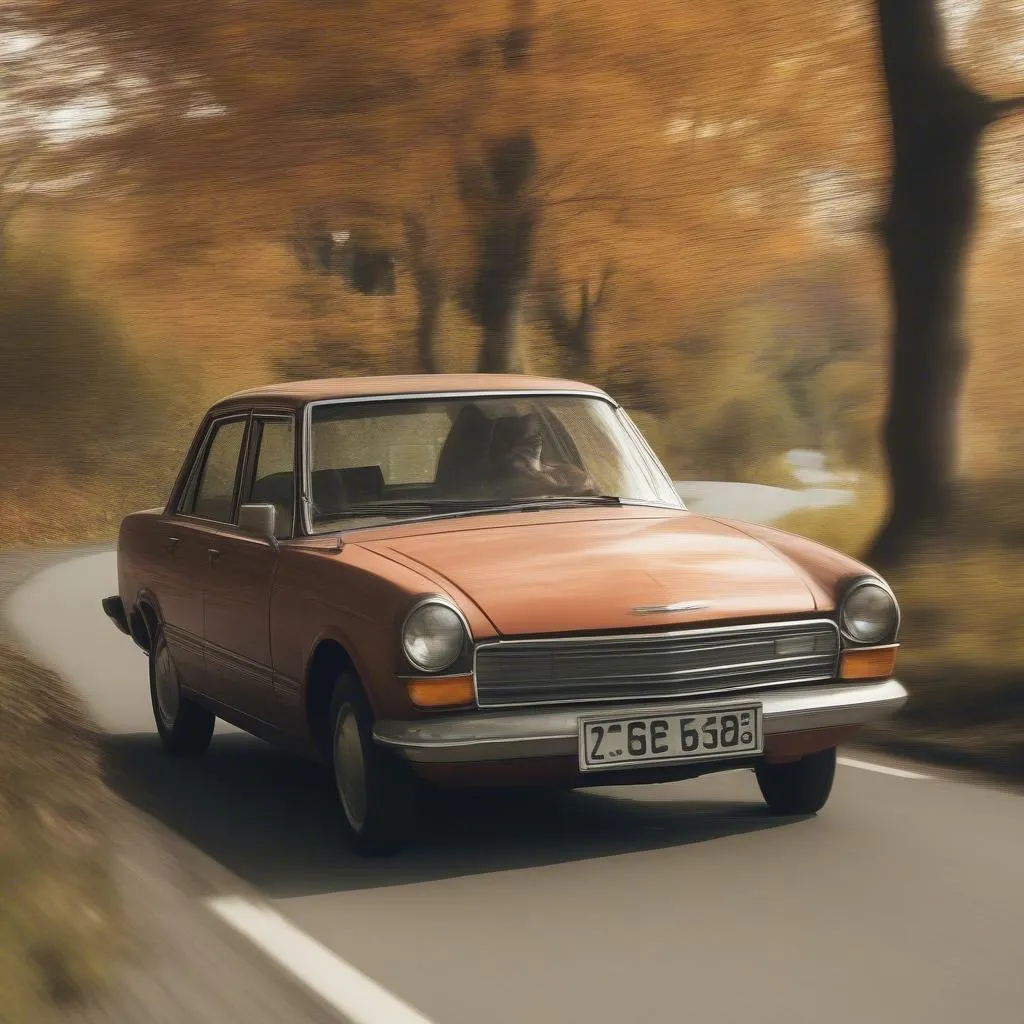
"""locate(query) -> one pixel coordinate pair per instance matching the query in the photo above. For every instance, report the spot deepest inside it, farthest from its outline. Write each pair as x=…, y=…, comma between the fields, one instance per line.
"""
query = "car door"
x=240, y=574
x=183, y=542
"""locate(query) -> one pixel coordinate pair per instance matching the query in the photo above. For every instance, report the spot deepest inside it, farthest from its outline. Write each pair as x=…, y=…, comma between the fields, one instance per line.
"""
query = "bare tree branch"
x=429, y=284
x=552, y=306
x=995, y=109
x=553, y=174
x=607, y=274
x=573, y=330
x=599, y=198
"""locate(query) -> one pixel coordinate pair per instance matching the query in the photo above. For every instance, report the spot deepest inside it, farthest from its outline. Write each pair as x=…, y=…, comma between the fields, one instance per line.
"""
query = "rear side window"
x=214, y=490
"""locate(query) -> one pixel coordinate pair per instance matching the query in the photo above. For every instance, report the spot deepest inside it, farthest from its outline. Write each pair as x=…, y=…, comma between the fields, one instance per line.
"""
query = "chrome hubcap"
x=168, y=693
x=349, y=767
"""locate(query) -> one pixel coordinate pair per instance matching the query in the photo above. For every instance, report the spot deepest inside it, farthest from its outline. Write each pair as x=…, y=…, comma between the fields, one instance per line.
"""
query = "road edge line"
x=344, y=988
x=884, y=769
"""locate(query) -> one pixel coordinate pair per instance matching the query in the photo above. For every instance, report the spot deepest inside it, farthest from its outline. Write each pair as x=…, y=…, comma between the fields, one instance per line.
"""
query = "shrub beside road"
x=60, y=919
x=963, y=635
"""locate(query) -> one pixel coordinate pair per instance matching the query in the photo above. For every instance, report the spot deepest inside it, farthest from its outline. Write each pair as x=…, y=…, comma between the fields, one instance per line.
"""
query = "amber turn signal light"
x=441, y=693
x=868, y=663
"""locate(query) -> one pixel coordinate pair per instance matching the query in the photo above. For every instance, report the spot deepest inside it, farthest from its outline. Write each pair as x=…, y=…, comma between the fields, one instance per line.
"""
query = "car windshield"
x=411, y=458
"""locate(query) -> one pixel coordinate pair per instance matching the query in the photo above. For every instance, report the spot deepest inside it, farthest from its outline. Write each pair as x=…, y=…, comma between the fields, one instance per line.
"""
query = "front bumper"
x=553, y=732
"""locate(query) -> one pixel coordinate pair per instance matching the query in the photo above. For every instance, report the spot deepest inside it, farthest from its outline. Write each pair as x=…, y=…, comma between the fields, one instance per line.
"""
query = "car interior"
x=467, y=466
x=334, y=490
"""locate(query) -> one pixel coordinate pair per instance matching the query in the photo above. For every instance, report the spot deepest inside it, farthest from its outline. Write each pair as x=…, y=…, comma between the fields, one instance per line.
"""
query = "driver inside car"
x=518, y=465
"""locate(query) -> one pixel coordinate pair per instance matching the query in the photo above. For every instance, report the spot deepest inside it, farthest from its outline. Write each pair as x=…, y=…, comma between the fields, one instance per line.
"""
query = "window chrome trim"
x=305, y=475
x=259, y=418
x=641, y=439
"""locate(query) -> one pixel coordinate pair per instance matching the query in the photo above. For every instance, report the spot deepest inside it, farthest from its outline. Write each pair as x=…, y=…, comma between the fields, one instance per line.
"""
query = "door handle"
x=172, y=544
x=213, y=554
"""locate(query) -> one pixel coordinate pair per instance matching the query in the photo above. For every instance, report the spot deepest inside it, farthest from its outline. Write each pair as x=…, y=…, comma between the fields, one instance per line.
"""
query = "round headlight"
x=869, y=613
x=433, y=636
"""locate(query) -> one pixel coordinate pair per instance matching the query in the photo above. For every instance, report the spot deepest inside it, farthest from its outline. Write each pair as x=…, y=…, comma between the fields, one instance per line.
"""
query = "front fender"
x=826, y=571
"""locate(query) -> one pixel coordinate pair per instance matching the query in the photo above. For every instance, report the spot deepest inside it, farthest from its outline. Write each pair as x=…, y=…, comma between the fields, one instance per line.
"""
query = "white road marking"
x=358, y=998
x=883, y=768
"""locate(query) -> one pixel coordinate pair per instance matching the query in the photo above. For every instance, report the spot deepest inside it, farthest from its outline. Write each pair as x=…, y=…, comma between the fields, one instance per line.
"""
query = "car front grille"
x=639, y=666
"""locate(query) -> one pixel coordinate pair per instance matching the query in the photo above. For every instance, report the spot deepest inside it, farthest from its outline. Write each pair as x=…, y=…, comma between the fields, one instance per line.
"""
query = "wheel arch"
x=144, y=621
x=330, y=658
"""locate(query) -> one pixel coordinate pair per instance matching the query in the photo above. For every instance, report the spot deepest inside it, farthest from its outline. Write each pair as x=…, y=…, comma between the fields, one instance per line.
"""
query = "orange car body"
x=256, y=626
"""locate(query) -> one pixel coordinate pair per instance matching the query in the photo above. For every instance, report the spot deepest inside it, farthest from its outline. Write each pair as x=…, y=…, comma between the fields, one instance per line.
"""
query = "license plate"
x=693, y=734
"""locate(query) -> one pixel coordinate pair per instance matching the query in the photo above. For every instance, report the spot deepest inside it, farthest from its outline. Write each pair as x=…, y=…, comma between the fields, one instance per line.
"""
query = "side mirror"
x=258, y=521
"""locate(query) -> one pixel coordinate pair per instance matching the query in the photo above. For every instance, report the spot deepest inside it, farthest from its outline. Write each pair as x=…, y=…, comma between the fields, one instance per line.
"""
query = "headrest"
x=362, y=483
x=466, y=444
x=276, y=489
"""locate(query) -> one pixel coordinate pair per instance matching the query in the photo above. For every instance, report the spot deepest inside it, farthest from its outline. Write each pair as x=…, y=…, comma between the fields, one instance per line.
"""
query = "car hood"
x=595, y=573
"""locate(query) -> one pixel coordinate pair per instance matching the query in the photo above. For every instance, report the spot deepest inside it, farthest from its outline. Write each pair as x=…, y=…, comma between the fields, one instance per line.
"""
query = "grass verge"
x=962, y=654
x=61, y=927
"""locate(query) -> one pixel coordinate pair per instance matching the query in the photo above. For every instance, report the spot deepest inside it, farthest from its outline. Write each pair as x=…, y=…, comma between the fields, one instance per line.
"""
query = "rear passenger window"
x=214, y=495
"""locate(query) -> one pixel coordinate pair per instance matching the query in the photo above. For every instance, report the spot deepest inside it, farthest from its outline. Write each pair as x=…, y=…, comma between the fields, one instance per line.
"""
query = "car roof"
x=299, y=393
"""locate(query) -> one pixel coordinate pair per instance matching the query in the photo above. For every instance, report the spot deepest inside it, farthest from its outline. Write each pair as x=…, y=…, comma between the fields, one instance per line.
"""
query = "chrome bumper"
x=553, y=732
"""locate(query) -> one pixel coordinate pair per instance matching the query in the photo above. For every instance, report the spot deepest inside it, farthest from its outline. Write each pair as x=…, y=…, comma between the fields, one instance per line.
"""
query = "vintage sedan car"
x=483, y=581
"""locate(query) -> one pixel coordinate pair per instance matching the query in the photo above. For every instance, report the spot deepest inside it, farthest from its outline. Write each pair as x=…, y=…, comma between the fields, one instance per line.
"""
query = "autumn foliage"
x=681, y=206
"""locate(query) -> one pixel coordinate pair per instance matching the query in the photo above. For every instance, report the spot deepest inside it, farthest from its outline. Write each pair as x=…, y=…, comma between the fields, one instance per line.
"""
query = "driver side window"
x=274, y=478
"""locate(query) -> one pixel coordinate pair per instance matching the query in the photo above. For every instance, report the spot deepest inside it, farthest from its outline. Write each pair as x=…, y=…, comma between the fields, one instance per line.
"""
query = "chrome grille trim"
x=651, y=666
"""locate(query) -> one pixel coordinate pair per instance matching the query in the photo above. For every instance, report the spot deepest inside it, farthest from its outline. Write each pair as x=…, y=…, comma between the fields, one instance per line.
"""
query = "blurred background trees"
x=938, y=120
x=683, y=207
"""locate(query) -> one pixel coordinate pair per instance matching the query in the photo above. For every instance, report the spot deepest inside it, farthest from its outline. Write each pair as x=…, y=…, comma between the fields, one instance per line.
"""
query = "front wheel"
x=185, y=727
x=800, y=787
x=377, y=790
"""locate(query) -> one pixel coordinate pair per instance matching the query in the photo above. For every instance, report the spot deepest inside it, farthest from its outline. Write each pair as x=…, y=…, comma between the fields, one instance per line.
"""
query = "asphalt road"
x=902, y=901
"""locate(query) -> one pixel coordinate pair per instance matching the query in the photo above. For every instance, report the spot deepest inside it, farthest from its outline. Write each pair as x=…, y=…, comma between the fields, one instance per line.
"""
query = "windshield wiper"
x=555, y=501
x=440, y=507
x=380, y=508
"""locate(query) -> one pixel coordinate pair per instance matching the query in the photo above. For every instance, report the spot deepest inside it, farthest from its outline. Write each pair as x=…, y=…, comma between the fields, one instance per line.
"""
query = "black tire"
x=800, y=787
x=185, y=727
x=387, y=790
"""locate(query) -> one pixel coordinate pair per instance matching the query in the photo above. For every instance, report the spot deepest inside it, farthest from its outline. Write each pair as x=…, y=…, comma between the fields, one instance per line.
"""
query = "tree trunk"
x=429, y=293
x=508, y=227
x=573, y=330
x=506, y=258
x=574, y=335
x=578, y=347
x=428, y=323
x=937, y=123
x=500, y=351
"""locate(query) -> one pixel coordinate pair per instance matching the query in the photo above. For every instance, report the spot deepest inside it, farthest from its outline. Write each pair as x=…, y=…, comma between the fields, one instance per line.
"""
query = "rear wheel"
x=800, y=787
x=377, y=790
x=185, y=727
